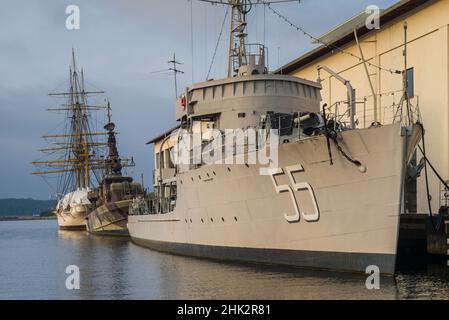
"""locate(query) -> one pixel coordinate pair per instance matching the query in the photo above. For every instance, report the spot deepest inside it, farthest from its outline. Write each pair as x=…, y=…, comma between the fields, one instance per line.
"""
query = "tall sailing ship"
x=332, y=202
x=76, y=154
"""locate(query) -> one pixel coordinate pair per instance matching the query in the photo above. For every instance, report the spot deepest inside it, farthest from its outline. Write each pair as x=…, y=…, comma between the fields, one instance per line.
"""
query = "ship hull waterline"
x=233, y=213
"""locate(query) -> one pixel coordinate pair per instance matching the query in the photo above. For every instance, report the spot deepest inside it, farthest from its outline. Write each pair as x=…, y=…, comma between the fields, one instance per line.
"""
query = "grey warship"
x=332, y=202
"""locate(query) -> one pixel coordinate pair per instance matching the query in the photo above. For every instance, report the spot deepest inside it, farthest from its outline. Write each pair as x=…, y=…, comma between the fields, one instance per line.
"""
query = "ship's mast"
x=237, y=39
x=80, y=128
x=77, y=144
x=175, y=71
x=113, y=163
x=238, y=52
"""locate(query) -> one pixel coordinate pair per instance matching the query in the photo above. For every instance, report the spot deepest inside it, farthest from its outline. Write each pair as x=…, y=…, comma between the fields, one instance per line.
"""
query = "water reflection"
x=34, y=256
x=103, y=263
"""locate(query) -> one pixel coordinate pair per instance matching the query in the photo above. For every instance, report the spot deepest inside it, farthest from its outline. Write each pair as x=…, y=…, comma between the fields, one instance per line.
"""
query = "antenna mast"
x=237, y=39
x=109, y=112
x=237, y=56
x=175, y=72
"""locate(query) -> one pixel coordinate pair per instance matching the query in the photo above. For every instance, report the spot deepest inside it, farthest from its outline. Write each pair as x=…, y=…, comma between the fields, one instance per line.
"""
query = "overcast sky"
x=119, y=45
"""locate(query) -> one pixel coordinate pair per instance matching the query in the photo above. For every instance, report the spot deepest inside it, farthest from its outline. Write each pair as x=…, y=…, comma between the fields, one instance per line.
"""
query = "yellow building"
x=428, y=73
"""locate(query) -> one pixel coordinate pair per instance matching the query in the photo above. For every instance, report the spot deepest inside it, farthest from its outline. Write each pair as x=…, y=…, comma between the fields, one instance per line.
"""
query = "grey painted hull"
x=234, y=213
x=341, y=261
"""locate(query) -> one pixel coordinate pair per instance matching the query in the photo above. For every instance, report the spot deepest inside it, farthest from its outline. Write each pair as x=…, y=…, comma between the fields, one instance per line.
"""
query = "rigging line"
x=191, y=39
x=218, y=43
x=64, y=83
x=49, y=185
x=264, y=24
x=205, y=38
x=330, y=46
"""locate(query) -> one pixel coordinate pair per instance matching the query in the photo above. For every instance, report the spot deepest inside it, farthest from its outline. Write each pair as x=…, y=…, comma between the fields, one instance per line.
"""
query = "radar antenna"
x=238, y=49
x=173, y=69
x=175, y=72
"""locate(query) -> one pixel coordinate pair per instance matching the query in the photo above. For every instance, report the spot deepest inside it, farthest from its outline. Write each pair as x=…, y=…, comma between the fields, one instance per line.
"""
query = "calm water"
x=34, y=256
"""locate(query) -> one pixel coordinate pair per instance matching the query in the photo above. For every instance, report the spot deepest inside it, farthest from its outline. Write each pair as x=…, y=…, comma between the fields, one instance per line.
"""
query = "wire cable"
x=218, y=43
x=330, y=46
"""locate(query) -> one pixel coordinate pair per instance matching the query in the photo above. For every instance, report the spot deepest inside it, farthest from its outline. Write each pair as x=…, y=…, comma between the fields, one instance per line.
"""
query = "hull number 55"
x=298, y=187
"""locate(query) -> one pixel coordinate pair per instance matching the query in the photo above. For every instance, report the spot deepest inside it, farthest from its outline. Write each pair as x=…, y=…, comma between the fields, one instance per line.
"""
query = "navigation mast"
x=237, y=38
x=239, y=54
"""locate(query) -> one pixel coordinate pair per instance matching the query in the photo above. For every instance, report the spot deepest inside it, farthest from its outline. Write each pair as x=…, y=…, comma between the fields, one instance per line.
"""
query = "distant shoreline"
x=26, y=218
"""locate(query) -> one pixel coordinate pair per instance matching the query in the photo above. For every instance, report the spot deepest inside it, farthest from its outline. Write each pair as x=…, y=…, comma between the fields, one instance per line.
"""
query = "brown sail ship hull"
x=109, y=219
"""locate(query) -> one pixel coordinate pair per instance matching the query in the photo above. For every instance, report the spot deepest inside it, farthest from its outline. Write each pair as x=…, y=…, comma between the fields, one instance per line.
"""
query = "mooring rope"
x=427, y=162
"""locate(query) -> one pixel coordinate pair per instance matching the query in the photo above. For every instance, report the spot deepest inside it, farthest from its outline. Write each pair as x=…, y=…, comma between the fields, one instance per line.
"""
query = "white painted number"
x=296, y=186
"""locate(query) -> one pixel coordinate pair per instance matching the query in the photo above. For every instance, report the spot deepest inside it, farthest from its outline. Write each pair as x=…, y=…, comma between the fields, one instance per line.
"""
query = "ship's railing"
x=256, y=52
x=391, y=109
x=146, y=206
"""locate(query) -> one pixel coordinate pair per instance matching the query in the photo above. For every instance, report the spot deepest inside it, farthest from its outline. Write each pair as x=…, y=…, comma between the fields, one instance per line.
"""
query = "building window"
x=168, y=163
x=410, y=82
x=242, y=115
x=158, y=159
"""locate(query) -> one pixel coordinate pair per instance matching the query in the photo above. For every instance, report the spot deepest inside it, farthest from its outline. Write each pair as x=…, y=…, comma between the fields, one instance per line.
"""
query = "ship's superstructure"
x=331, y=199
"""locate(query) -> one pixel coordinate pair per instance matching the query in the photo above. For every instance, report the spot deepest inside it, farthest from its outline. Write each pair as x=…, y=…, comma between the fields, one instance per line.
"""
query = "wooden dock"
x=420, y=242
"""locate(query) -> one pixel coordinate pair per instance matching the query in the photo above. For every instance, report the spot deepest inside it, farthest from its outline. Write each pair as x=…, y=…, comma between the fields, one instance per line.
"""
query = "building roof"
x=344, y=33
x=349, y=26
x=163, y=135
